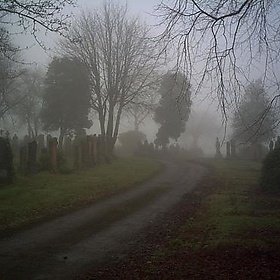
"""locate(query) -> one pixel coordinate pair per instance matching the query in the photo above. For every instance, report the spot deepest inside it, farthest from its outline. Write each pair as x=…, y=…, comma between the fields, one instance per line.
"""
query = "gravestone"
x=32, y=156
x=6, y=159
x=41, y=143
x=15, y=145
x=53, y=153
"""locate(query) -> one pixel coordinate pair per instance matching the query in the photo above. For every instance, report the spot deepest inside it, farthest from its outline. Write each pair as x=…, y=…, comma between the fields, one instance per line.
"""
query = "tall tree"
x=174, y=107
x=9, y=71
x=253, y=120
x=30, y=85
x=223, y=44
x=66, y=98
x=120, y=58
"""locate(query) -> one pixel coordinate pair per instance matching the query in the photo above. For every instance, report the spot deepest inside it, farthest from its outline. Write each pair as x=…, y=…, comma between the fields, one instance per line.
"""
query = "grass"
x=233, y=214
x=45, y=194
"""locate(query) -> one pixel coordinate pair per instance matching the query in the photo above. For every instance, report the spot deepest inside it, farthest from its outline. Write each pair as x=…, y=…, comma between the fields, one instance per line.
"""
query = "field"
x=45, y=194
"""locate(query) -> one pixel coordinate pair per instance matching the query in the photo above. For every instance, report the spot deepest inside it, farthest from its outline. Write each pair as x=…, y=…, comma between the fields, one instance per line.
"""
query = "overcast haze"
x=33, y=53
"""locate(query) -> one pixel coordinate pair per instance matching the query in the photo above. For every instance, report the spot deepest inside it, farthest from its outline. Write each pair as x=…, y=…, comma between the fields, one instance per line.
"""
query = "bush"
x=270, y=172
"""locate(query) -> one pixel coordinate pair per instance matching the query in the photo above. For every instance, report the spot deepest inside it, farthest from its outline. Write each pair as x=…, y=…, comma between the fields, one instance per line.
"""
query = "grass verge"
x=236, y=229
x=45, y=194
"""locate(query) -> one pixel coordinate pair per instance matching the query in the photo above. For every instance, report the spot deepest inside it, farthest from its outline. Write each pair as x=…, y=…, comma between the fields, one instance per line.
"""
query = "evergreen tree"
x=254, y=119
x=174, y=107
x=66, y=99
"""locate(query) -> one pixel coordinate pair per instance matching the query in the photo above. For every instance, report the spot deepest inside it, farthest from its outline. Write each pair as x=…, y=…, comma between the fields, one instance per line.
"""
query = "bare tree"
x=9, y=72
x=32, y=15
x=30, y=85
x=224, y=44
x=120, y=58
x=143, y=106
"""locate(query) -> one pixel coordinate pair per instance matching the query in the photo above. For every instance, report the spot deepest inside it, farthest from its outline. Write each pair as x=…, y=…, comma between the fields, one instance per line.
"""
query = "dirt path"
x=72, y=244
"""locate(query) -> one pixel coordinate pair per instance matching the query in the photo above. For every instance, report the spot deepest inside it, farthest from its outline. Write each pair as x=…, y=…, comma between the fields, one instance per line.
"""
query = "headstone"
x=31, y=157
x=41, y=143
x=53, y=153
x=15, y=145
x=49, y=139
x=6, y=159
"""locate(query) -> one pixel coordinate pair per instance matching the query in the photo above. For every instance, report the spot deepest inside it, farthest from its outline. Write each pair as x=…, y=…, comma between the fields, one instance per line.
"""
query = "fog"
x=206, y=111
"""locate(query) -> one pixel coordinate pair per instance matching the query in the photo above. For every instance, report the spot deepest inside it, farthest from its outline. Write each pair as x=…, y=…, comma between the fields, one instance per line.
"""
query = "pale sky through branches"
x=33, y=53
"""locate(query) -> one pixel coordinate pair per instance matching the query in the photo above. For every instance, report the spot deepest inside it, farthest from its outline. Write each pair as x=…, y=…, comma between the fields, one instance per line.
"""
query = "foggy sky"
x=33, y=53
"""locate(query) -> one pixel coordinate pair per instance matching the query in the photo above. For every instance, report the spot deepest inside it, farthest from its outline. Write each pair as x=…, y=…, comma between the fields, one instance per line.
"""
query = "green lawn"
x=233, y=214
x=44, y=194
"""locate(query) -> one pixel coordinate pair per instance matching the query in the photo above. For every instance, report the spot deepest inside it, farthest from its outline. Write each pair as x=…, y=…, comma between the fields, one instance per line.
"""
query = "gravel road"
x=72, y=244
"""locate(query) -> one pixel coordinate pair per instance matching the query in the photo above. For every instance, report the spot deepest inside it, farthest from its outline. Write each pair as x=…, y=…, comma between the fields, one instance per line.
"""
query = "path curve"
x=69, y=245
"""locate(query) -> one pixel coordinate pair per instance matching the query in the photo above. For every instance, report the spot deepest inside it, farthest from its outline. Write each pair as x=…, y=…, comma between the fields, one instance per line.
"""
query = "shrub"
x=270, y=172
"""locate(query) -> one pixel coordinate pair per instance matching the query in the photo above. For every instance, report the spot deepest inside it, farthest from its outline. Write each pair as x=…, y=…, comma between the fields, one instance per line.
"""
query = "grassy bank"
x=44, y=194
x=234, y=234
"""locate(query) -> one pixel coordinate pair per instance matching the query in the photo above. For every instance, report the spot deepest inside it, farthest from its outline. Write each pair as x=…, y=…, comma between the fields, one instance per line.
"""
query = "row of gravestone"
x=87, y=151
x=256, y=151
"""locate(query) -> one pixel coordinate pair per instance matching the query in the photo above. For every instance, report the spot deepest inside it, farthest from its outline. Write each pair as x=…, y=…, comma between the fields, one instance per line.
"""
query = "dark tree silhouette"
x=174, y=107
x=32, y=15
x=254, y=120
x=221, y=44
x=66, y=99
x=120, y=58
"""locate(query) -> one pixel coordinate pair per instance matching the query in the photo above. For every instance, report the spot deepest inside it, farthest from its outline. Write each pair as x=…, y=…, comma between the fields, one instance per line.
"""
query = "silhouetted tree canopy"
x=30, y=89
x=33, y=15
x=174, y=107
x=254, y=120
x=223, y=44
x=66, y=98
x=120, y=57
x=9, y=71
